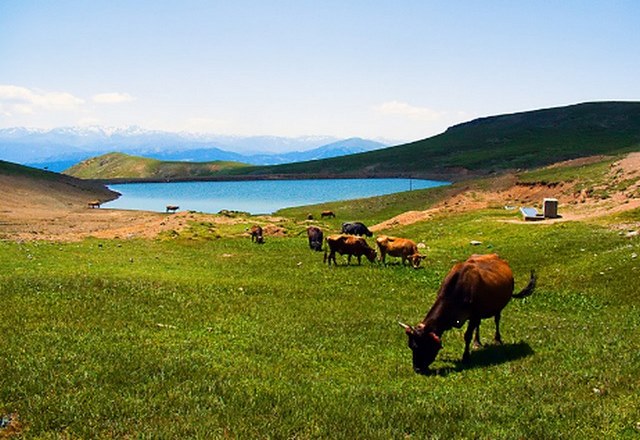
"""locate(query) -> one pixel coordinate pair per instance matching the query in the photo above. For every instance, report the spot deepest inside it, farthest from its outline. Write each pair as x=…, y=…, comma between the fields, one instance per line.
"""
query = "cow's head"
x=424, y=344
x=371, y=254
x=416, y=259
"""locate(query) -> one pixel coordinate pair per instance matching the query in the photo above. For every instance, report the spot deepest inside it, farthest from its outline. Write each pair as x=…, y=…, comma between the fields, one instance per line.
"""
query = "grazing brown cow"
x=476, y=289
x=324, y=214
x=399, y=247
x=94, y=204
x=172, y=208
x=256, y=234
x=348, y=245
x=315, y=238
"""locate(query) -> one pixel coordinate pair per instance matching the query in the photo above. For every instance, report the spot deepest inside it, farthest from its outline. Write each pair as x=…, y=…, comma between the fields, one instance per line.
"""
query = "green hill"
x=521, y=140
x=124, y=166
x=33, y=185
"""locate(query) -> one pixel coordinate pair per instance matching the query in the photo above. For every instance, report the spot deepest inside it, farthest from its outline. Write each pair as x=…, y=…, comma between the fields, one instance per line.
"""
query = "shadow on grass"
x=487, y=356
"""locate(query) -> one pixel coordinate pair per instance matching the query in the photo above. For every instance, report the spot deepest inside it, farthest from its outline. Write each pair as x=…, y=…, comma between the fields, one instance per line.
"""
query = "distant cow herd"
x=476, y=289
x=350, y=242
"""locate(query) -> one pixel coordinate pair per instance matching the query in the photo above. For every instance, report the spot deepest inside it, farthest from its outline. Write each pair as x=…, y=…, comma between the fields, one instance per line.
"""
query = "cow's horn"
x=405, y=326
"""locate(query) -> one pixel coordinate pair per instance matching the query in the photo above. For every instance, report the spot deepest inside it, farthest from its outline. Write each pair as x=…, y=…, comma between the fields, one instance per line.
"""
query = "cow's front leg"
x=476, y=339
x=497, y=338
x=473, y=324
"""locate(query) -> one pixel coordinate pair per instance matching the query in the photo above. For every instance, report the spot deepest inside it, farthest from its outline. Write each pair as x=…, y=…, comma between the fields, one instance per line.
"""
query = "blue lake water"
x=255, y=197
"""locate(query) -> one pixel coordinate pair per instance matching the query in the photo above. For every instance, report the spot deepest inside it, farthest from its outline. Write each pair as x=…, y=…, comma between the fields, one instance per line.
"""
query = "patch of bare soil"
x=32, y=209
x=10, y=426
x=622, y=189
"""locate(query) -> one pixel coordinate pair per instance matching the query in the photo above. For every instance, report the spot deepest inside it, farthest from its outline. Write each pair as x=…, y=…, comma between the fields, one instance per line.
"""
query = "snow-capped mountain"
x=62, y=147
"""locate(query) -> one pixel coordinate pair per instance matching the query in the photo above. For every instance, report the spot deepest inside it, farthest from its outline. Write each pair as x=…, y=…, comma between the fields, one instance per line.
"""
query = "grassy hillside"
x=26, y=183
x=521, y=140
x=124, y=166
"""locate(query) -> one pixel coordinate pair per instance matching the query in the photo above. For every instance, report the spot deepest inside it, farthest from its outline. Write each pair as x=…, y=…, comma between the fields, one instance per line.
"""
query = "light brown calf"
x=399, y=247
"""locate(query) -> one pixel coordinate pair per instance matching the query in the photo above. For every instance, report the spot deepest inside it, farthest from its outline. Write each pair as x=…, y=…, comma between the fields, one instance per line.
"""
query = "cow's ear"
x=436, y=339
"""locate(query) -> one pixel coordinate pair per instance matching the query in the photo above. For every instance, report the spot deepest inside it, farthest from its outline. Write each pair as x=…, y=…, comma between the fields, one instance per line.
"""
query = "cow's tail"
x=530, y=287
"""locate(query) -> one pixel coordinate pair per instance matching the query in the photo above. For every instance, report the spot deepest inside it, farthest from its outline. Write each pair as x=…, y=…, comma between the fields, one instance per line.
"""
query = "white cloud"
x=409, y=111
x=205, y=125
x=22, y=100
x=88, y=121
x=112, y=98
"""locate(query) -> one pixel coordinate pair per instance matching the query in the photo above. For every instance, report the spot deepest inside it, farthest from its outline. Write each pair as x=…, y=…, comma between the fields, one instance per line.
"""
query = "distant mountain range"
x=60, y=148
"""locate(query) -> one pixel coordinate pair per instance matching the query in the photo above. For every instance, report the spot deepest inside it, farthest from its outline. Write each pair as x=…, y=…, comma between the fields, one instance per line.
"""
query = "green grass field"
x=206, y=337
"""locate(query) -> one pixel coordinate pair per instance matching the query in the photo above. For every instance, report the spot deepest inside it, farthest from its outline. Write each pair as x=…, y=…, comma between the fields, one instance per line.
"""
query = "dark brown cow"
x=324, y=214
x=315, y=238
x=256, y=234
x=476, y=289
x=172, y=208
x=348, y=245
x=399, y=247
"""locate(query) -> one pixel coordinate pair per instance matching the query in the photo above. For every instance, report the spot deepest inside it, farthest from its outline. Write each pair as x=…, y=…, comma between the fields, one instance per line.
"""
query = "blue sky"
x=401, y=70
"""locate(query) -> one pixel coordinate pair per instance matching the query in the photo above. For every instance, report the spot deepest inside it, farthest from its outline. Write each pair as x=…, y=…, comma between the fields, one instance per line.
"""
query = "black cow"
x=356, y=228
x=315, y=238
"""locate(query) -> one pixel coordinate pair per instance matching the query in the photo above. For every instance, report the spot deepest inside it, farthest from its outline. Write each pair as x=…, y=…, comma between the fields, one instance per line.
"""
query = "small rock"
x=475, y=243
x=597, y=391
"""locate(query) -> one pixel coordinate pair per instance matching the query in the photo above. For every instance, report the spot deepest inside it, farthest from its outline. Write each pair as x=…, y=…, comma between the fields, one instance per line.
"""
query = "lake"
x=255, y=197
